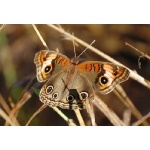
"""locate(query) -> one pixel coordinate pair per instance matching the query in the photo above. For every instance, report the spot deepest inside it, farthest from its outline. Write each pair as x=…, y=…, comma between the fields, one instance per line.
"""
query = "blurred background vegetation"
x=19, y=43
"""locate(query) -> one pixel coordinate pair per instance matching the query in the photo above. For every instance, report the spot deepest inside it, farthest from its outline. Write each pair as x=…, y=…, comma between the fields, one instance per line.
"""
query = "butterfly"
x=70, y=84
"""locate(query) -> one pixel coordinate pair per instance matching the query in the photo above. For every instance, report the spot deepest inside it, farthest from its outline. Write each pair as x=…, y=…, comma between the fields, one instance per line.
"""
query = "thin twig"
x=22, y=100
x=6, y=117
x=90, y=111
x=133, y=74
x=36, y=113
x=127, y=116
x=79, y=116
x=7, y=109
x=4, y=104
x=2, y=27
x=69, y=121
x=143, y=54
x=25, y=96
x=119, y=91
x=11, y=103
x=114, y=119
x=139, y=63
x=141, y=120
x=40, y=37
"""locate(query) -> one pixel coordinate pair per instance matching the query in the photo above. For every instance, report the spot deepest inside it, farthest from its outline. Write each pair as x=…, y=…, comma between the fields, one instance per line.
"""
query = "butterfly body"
x=70, y=84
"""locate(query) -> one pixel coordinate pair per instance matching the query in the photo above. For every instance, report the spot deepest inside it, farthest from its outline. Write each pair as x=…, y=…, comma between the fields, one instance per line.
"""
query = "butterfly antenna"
x=75, y=55
x=85, y=49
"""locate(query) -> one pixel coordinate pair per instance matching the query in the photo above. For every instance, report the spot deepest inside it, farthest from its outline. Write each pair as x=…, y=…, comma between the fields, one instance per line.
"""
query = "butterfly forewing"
x=103, y=76
x=48, y=63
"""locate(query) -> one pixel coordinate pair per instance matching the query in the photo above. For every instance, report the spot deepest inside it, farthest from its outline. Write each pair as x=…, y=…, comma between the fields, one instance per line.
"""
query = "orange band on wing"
x=42, y=57
x=120, y=72
x=103, y=87
x=108, y=68
x=43, y=75
x=64, y=62
x=88, y=67
x=96, y=67
x=59, y=59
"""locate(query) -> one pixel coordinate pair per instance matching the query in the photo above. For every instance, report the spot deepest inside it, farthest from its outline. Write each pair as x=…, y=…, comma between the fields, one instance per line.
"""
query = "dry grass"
x=11, y=113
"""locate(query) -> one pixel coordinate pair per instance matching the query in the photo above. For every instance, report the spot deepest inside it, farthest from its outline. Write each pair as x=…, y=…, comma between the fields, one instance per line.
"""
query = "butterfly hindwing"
x=71, y=96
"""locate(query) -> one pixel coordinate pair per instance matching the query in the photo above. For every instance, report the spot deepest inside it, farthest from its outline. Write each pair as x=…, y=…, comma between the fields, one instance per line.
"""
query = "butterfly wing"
x=71, y=96
x=103, y=76
x=49, y=63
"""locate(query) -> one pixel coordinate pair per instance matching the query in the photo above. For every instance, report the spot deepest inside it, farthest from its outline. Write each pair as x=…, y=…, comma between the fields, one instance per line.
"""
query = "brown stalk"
x=114, y=119
x=36, y=113
x=7, y=109
x=128, y=103
x=79, y=117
